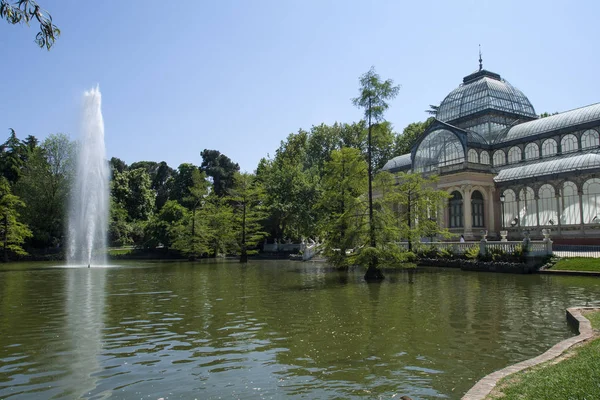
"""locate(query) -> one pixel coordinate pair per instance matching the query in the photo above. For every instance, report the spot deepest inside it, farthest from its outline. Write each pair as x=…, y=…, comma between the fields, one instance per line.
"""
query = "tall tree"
x=12, y=232
x=25, y=11
x=44, y=187
x=373, y=97
x=344, y=184
x=217, y=215
x=247, y=197
x=12, y=155
x=220, y=168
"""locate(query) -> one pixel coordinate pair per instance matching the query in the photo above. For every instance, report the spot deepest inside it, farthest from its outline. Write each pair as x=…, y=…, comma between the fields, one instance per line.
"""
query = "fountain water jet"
x=88, y=211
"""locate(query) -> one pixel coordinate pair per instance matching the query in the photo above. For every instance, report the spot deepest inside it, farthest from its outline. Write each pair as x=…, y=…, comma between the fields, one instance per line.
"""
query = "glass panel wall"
x=438, y=149
x=510, y=208
x=590, y=139
x=532, y=151
x=473, y=157
x=514, y=155
x=499, y=158
x=568, y=143
x=591, y=201
x=570, y=214
x=549, y=148
x=484, y=157
x=528, y=211
x=548, y=213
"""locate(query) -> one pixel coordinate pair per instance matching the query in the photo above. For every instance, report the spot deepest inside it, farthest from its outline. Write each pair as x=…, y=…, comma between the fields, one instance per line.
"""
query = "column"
x=537, y=210
x=468, y=228
x=491, y=219
x=558, y=210
x=580, y=192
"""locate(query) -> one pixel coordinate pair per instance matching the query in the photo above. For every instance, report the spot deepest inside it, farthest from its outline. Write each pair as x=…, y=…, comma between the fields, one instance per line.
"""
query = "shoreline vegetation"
x=573, y=375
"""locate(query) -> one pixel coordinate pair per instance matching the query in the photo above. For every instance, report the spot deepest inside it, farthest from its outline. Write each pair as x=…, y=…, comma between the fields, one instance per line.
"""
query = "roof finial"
x=480, y=60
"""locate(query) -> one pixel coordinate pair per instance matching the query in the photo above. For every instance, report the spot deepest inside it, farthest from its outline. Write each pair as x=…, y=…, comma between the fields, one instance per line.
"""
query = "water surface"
x=269, y=330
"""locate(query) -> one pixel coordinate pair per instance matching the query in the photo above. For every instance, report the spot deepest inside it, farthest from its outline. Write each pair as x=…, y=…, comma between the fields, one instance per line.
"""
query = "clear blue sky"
x=239, y=76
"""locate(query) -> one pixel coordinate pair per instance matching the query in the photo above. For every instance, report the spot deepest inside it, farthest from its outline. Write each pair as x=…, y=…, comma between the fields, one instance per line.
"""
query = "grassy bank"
x=578, y=264
x=576, y=376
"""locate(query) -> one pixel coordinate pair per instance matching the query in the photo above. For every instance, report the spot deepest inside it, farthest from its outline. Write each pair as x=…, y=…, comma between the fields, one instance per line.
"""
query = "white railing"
x=535, y=248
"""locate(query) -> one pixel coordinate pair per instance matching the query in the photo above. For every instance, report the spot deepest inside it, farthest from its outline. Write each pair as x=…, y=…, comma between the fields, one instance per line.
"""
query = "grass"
x=119, y=251
x=578, y=264
x=575, y=377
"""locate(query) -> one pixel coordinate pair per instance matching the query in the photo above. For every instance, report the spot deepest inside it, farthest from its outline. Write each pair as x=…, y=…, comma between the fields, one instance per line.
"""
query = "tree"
x=247, y=197
x=547, y=114
x=344, y=184
x=117, y=165
x=417, y=203
x=164, y=227
x=25, y=11
x=44, y=187
x=12, y=232
x=12, y=154
x=217, y=215
x=372, y=98
x=220, y=168
x=433, y=109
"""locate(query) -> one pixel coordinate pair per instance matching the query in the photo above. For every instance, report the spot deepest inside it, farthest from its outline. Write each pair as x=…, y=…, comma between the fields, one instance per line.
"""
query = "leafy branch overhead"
x=25, y=11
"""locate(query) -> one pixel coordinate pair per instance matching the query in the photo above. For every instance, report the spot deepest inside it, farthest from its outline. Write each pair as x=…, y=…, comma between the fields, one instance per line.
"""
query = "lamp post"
x=502, y=198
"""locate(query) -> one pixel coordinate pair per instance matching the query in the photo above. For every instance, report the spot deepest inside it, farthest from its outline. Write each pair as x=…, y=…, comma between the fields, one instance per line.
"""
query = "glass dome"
x=484, y=90
x=438, y=149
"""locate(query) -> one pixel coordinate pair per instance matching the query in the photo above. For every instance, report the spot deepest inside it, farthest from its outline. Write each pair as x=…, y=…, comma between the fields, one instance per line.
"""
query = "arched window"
x=591, y=201
x=590, y=139
x=455, y=208
x=472, y=156
x=509, y=210
x=528, y=211
x=499, y=158
x=568, y=143
x=532, y=151
x=549, y=148
x=477, y=209
x=548, y=212
x=514, y=155
x=570, y=198
x=439, y=148
x=484, y=157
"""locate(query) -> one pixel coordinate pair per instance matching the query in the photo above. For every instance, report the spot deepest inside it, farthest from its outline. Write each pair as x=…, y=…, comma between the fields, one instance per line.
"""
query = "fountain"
x=88, y=209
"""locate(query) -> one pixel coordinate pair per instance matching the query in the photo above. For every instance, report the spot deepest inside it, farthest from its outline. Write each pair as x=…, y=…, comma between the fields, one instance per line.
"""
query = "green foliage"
x=472, y=252
x=132, y=190
x=246, y=198
x=12, y=232
x=220, y=168
x=409, y=204
x=374, y=94
x=25, y=11
x=119, y=230
x=447, y=253
x=163, y=228
x=389, y=256
x=217, y=215
x=342, y=205
x=494, y=254
x=44, y=186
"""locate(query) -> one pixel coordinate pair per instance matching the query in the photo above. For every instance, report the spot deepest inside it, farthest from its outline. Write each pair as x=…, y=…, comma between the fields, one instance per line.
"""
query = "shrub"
x=472, y=252
x=446, y=252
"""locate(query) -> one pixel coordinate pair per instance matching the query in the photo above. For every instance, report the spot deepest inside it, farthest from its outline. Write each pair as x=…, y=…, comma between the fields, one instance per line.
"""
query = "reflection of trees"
x=293, y=328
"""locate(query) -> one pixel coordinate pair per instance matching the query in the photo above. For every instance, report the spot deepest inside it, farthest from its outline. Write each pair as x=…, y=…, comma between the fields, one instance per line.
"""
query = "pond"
x=270, y=329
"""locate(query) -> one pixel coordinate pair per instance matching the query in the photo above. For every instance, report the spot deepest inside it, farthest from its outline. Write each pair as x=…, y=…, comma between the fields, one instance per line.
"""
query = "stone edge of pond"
x=574, y=316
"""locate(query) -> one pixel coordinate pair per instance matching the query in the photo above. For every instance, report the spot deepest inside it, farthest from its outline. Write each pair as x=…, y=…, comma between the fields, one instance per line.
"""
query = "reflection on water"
x=270, y=330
